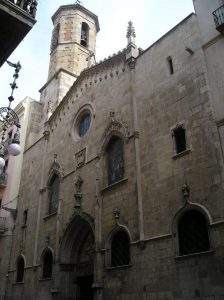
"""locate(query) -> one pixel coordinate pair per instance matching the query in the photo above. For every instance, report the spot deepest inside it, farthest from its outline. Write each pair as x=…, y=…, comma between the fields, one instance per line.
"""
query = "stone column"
x=44, y=144
x=98, y=263
x=131, y=55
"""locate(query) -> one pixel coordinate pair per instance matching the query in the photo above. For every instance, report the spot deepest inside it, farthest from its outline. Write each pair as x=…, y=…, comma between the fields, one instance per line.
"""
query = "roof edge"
x=80, y=7
x=168, y=32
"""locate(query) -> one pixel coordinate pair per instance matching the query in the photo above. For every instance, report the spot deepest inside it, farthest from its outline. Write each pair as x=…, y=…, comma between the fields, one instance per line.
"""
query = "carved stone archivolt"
x=114, y=127
x=189, y=205
x=80, y=158
x=79, y=225
x=55, y=169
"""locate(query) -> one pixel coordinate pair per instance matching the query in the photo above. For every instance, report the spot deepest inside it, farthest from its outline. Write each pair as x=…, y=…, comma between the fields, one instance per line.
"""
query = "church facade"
x=121, y=193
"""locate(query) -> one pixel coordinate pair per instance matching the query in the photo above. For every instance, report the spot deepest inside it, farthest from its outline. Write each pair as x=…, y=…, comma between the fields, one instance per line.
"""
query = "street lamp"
x=8, y=118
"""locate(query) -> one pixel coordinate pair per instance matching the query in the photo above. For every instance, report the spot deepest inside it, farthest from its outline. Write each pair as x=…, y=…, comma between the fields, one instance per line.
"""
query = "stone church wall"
x=156, y=270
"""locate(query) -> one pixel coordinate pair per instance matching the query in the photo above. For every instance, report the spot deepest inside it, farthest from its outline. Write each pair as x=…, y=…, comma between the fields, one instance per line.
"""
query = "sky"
x=151, y=18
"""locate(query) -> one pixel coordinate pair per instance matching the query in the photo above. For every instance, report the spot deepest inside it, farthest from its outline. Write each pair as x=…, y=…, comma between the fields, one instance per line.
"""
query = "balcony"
x=3, y=180
x=2, y=225
x=17, y=18
x=218, y=15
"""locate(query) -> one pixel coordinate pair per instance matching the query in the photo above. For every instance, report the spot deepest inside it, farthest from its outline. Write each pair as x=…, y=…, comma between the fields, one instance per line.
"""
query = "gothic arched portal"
x=77, y=260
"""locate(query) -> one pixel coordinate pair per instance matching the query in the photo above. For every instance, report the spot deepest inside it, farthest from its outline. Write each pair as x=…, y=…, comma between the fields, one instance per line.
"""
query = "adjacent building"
x=9, y=186
x=121, y=191
x=16, y=20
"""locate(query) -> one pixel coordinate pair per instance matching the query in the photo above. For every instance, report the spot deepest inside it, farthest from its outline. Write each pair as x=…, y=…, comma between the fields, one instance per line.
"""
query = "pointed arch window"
x=20, y=268
x=84, y=34
x=193, y=233
x=53, y=194
x=47, y=261
x=120, y=249
x=115, y=160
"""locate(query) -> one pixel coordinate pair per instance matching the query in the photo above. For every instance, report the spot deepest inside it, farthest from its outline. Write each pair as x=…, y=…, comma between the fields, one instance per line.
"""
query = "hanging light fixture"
x=8, y=118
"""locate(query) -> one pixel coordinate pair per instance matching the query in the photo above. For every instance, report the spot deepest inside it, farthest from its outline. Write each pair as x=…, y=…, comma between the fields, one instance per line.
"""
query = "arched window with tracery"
x=115, y=160
x=193, y=235
x=120, y=249
x=47, y=261
x=20, y=268
x=53, y=194
x=84, y=35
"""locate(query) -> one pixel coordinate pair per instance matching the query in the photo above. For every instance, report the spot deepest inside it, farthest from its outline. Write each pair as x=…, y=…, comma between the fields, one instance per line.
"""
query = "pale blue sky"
x=152, y=18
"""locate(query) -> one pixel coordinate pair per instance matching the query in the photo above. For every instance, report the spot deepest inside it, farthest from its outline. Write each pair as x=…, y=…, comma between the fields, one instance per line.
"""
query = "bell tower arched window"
x=55, y=37
x=47, y=261
x=84, y=35
x=193, y=233
x=20, y=267
x=120, y=249
x=115, y=160
x=53, y=194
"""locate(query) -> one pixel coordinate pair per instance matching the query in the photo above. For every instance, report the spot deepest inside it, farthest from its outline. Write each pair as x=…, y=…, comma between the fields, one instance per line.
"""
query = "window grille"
x=193, y=233
x=180, y=139
x=84, y=124
x=120, y=249
x=47, y=264
x=115, y=154
x=20, y=269
x=53, y=194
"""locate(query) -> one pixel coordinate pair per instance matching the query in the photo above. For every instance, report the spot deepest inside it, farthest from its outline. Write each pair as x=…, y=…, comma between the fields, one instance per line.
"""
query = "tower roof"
x=77, y=6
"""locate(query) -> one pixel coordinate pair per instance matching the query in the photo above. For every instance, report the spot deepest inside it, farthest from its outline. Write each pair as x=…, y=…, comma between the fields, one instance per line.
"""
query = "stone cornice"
x=55, y=76
x=78, y=7
x=168, y=33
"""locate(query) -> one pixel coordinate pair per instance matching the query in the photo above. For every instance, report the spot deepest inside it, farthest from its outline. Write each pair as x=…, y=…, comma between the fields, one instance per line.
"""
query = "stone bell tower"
x=72, y=45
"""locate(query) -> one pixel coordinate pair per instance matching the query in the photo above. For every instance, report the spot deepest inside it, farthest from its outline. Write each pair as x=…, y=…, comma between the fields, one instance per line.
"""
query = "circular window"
x=84, y=124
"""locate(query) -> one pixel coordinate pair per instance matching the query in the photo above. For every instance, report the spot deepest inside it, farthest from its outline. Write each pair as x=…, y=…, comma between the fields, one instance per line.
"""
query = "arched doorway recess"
x=77, y=260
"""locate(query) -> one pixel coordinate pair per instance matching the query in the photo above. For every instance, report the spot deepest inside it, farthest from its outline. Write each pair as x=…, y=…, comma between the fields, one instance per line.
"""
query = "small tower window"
x=115, y=160
x=170, y=64
x=47, y=264
x=55, y=37
x=53, y=194
x=84, y=35
x=120, y=249
x=25, y=216
x=20, y=269
x=179, y=136
x=193, y=233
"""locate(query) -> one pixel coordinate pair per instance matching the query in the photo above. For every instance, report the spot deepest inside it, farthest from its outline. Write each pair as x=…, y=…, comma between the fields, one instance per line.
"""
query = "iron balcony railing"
x=2, y=224
x=218, y=15
x=29, y=6
x=3, y=179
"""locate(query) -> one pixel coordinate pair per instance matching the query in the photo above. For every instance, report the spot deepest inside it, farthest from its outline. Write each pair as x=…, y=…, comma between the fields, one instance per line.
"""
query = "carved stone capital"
x=46, y=135
x=142, y=245
x=136, y=134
